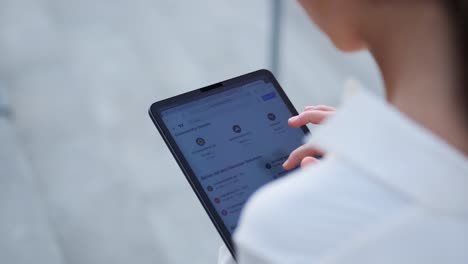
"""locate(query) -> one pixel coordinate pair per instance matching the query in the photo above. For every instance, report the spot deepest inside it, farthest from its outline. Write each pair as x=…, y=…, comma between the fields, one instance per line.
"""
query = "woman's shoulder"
x=310, y=211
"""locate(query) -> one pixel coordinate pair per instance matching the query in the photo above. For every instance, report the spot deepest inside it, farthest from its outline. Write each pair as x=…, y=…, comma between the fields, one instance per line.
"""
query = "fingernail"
x=292, y=118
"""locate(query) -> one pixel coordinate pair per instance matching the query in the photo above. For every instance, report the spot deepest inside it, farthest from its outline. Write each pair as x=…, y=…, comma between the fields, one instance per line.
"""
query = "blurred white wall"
x=100, y=185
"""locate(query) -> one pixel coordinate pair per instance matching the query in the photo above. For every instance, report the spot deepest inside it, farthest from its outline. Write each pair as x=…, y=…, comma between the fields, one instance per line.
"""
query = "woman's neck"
x=418, y=65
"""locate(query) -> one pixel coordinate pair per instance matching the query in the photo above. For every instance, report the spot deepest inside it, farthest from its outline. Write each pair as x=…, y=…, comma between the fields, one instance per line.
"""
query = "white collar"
x=374, y=136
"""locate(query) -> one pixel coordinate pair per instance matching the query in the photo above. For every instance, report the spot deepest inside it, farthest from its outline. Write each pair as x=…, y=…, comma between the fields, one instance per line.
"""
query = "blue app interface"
x=235, y=141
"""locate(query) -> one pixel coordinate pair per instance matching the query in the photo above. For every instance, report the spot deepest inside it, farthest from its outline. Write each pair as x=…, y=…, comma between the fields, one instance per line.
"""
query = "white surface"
x=25, y=234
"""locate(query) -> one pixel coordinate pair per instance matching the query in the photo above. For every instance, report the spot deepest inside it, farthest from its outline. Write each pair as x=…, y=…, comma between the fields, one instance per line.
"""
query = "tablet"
x=229, y=139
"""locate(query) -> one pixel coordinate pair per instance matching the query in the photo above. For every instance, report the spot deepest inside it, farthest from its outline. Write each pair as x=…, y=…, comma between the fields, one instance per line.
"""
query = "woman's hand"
x=304, y=155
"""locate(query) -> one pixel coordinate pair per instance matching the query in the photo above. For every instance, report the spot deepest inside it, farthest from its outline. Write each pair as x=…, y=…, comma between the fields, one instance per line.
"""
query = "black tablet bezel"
x=157, y=107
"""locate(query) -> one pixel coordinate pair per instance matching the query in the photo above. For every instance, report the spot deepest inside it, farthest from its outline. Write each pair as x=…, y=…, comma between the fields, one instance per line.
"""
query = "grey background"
x=84, y=176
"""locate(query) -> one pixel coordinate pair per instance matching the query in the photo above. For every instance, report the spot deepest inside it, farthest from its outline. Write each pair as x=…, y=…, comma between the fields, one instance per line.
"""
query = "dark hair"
x=458, y=12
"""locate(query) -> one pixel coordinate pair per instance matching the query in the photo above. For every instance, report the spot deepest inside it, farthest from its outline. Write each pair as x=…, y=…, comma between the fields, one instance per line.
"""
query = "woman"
x=393, y=187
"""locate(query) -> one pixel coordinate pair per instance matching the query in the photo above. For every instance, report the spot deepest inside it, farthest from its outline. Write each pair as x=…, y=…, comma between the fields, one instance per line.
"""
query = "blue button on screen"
x=268, y=96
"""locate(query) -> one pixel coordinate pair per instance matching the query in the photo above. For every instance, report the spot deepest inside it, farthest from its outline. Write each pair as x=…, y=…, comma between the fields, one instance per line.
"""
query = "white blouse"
x=389, y=191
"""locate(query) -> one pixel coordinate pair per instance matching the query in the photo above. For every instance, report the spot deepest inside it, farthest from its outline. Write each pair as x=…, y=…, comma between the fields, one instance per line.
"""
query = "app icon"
x=224, y=212
x=271, y=116
x=217, y=200
x=200, y=141
x=209, y=188
x=236, y=128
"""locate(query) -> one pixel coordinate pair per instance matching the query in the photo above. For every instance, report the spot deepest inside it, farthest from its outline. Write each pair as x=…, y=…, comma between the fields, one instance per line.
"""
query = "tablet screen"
x=235, y=141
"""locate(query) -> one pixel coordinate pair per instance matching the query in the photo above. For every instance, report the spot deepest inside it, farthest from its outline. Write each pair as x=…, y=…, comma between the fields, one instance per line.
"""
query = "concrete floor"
x=84, y=176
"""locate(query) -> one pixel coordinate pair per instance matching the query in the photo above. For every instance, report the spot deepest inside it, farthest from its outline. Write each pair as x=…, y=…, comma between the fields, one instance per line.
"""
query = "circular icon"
x=236, y=128
x=271, y=116
x=200, y=141
x=268, y=166
x=209, y=188
x=224, y=212
x=217, y=200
